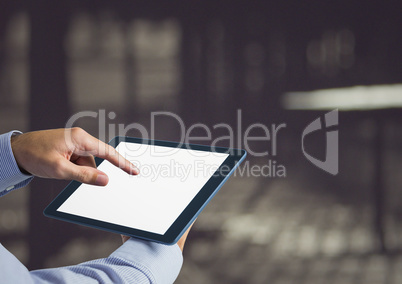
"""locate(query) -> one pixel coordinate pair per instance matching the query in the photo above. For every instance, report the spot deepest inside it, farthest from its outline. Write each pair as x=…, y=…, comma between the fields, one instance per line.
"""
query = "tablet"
x=175, y=183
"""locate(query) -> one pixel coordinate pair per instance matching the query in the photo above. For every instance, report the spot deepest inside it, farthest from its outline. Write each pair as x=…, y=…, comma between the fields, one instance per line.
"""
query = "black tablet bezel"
x=188, y=215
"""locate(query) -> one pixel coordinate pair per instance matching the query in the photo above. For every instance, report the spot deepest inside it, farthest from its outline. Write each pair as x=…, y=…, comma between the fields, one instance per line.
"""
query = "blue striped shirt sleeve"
x=136, y=261
x=10, y=175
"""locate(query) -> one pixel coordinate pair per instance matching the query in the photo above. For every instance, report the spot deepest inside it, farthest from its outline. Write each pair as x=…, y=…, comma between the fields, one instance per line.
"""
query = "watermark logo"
x=331, y=163
x=259, y=140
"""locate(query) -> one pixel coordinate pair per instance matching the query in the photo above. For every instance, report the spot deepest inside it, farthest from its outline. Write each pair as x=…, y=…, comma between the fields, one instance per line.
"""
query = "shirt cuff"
x=161, y=263
x=10, y=175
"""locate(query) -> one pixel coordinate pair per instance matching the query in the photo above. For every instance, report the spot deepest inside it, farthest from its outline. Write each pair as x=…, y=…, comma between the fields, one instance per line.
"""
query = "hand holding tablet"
x=175, y=183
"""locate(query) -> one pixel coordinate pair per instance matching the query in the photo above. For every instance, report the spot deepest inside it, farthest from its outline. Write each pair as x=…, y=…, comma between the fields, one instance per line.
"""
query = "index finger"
x=94, y=146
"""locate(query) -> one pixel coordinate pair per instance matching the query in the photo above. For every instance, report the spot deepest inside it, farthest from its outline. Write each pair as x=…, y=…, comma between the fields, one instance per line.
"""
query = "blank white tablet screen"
x=151, y=201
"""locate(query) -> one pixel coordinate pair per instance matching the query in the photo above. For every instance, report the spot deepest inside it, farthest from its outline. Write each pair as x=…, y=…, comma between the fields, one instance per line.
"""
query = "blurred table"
x=361, y=99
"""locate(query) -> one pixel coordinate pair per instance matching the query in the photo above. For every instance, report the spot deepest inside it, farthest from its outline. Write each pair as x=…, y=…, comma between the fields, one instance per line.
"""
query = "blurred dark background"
x=204, y=60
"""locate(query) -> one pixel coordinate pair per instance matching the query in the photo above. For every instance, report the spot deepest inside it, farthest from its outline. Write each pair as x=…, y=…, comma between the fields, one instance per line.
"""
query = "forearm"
x=135, y=261
x=10, y=175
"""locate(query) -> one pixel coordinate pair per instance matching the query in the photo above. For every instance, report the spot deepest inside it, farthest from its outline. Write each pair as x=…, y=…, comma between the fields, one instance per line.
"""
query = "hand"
x=66, y=154
x=183, y=238
x=180, y=243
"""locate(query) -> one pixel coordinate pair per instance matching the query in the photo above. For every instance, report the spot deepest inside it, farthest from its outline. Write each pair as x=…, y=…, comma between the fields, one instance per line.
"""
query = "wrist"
x=14, y=147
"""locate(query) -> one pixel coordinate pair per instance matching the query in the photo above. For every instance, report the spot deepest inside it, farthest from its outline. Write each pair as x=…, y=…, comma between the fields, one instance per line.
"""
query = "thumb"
x=85, y=174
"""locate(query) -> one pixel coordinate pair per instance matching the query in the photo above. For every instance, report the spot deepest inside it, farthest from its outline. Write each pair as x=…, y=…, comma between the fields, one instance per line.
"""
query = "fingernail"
x=134, y=169
x=101, y=179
